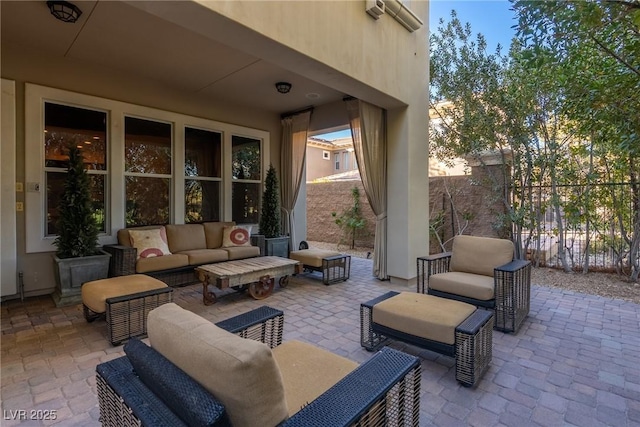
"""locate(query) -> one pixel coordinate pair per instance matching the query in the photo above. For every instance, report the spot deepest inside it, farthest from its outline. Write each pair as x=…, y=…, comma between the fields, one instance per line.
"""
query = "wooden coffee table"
x=257, y=274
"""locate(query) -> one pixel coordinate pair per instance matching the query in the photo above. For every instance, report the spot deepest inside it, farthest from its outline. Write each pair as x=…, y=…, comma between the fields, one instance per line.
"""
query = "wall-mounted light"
x=283, y=87
x=64, y=11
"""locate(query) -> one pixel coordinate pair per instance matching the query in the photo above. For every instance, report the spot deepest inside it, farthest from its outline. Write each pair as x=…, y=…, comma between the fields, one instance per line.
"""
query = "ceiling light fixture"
x=283, y=87
x=64, y=11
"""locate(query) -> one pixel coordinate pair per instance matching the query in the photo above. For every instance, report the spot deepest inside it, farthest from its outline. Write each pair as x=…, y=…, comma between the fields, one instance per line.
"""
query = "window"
x=326, y=155
x=87, y=129
x=345, y=160
x=336, y=157
x=246, y=168
x=148, y=166
x=147, y=160
x=203, y=175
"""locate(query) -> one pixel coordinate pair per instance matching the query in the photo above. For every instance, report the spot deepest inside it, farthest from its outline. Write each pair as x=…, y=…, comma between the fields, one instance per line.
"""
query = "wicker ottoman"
x=126, y=301
x=448, y=327
x=335, y=267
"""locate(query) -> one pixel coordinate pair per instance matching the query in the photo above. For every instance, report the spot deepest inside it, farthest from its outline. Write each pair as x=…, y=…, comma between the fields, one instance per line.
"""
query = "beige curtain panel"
x=295, y=130
x=368, y=130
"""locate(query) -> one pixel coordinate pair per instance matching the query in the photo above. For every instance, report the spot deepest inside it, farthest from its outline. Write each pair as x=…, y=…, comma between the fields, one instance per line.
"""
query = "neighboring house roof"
x=352, y=175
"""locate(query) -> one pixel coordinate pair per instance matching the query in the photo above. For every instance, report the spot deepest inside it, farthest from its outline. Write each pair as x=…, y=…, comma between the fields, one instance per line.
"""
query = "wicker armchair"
x=480, y=271
x=145, y=388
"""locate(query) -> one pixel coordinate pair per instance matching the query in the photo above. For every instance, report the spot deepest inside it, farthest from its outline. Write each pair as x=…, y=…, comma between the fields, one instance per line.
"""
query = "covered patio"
x=574, y=362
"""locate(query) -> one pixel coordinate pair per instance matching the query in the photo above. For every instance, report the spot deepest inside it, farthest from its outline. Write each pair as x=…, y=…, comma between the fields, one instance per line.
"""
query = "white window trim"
x=35, y=95
x=326, y=155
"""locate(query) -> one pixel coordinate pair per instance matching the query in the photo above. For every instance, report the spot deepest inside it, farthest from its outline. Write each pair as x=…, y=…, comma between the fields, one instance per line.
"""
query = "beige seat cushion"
x=147, y=265
x=124, y=238
x=424, y=316
x=480, y=255
x=308, y=371
x=96, y=293
x=311, y=256
x=204, y=256
x=242, y=252
x=213, y=232
x=185, y=237
x=241, y=373
x=465, y=284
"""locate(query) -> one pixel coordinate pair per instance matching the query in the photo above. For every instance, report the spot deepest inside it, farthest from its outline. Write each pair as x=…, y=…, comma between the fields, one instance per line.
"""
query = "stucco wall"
x=326, y=197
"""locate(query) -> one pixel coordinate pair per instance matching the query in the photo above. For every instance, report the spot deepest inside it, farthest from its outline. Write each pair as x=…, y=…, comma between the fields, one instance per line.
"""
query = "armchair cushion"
x=480, y=255
x=241, y=373
x=308, y=371
x=466, y=284
x=186, y=398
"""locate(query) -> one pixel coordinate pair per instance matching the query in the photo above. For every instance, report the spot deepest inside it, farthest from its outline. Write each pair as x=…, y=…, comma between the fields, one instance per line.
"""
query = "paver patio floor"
x=575, y=361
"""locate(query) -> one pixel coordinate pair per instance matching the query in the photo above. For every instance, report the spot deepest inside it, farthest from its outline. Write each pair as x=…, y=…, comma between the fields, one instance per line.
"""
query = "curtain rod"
x=295, y=113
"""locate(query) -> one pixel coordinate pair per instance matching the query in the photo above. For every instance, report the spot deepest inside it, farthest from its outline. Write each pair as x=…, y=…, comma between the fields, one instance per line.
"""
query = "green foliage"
x=77, y=228
x=564, y=101
x=270, y=216
x=351, y=221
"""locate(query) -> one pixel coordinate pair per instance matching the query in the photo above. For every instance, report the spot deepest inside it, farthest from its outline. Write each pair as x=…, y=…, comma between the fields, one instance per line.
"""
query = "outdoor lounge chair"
x=198, y=373
x=481, y=271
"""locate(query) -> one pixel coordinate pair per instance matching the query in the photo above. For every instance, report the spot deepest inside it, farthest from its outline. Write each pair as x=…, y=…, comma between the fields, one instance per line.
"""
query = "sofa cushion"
x=206, y=256
x=312, y=256
x=185, y=237
x=236, y=235
x=424, y=316
x=213, y=233
x=308, y=371
x=242, y=252
x=146, y=265
x=466, y=284
x=96, y=292
x=124, y=238
x=480, y=255
x=184, y=396
x=150, y=243
x=241, y=373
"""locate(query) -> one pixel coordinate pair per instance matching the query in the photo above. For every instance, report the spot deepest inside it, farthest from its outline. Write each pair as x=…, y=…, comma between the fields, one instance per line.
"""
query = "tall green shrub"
x=77, y=227
x=270, y=216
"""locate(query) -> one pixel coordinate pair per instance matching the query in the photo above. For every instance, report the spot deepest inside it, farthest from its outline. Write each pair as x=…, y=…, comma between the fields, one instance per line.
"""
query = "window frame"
x=36, y=95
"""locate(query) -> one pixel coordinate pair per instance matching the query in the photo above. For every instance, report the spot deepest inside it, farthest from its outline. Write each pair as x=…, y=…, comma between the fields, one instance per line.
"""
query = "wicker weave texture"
x=264, y=324
x=336, y=269
x=123, y=260
x=513, y=296
x=113, y=411
x=474, y=351
x=428, y=266
x=127, y=315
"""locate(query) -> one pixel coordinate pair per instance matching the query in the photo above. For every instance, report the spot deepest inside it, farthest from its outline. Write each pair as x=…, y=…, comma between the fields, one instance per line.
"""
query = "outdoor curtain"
x=295, y=129
x=368, y=130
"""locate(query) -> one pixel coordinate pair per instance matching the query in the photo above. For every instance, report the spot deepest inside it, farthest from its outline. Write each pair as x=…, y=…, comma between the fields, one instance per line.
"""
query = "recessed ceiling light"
x=312, y=95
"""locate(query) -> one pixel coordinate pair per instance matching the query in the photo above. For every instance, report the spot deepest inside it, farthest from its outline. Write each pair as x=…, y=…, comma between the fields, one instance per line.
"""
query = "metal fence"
x=588, y=221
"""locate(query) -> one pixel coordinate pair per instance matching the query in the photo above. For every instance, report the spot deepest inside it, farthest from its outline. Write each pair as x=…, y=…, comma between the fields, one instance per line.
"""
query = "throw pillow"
x=150, y=243
x=236, y=235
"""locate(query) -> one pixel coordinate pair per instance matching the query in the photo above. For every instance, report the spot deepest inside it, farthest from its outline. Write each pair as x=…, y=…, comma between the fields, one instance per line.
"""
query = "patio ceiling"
x=123, y=37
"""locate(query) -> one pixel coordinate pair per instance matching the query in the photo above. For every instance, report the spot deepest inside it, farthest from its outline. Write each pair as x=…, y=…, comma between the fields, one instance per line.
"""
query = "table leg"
x=208, y=297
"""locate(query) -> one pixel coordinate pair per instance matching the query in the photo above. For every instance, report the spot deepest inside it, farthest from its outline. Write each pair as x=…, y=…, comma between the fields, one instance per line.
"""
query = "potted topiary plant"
x=78, y=258
x=274, y=242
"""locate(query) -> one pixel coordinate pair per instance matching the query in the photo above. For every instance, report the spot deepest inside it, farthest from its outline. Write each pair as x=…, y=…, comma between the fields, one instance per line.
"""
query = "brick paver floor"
x=575, y=361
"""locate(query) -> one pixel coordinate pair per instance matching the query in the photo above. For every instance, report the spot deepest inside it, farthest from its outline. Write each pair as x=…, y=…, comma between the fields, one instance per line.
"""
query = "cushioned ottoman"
x=449, y=327
x=126, y=301
x=335, y=267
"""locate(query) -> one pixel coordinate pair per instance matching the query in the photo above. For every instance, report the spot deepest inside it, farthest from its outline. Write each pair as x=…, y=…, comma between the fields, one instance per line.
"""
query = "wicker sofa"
x=198, y=373
x=481, y=271
x=189, y=245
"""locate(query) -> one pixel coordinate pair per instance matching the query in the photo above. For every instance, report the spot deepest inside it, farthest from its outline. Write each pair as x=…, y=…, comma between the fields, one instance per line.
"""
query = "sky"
x=491, y=18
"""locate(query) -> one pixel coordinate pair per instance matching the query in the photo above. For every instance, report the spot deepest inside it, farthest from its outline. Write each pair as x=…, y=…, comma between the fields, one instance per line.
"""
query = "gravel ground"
x=602, y=284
